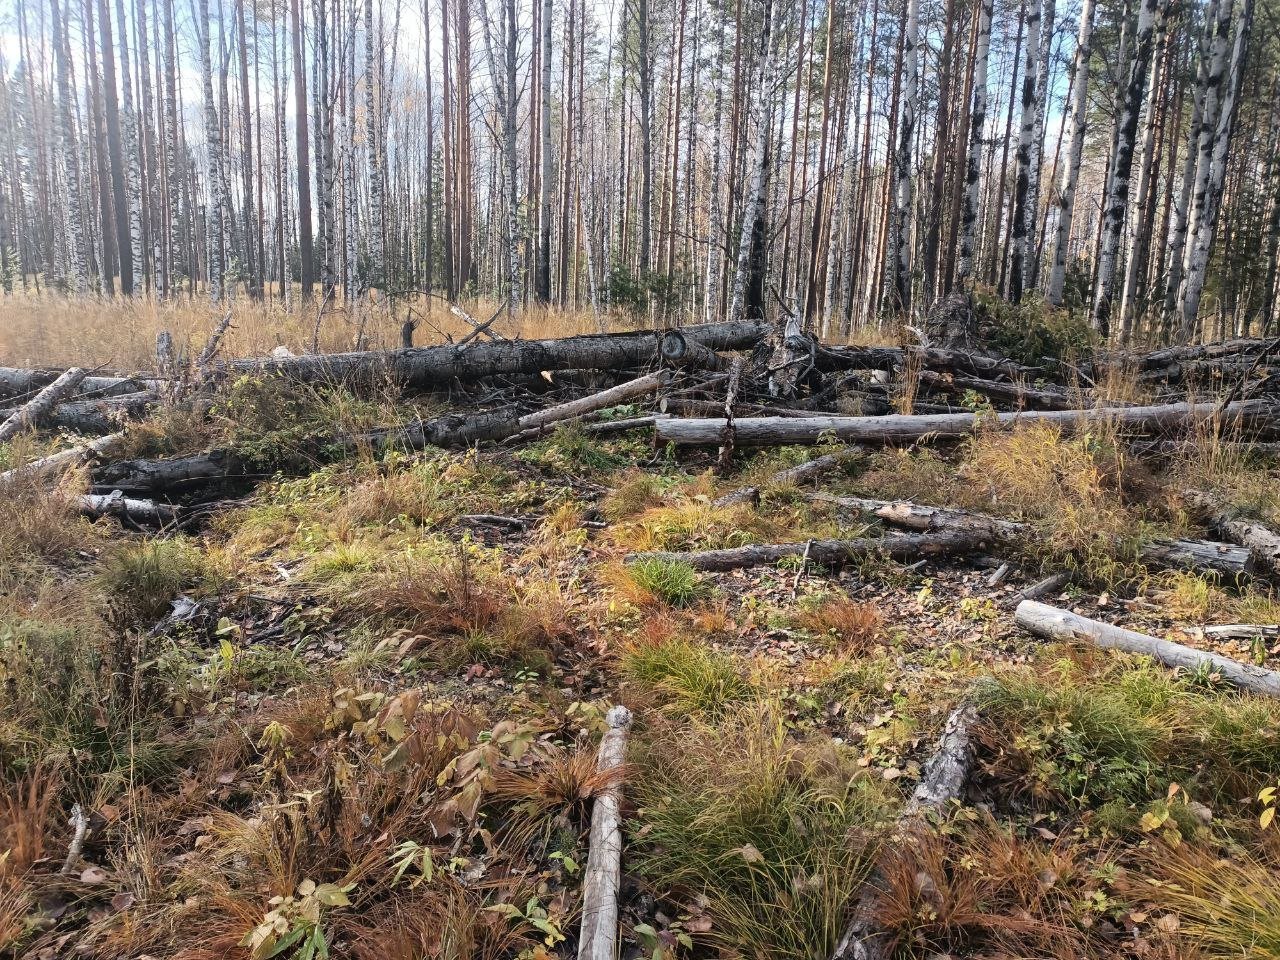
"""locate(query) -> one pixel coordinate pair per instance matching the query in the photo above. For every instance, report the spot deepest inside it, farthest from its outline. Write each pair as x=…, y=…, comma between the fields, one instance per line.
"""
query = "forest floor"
x=356, y=709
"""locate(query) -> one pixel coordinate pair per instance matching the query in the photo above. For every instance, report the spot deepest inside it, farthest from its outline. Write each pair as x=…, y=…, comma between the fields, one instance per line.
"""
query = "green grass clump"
x=773, y=834
x=1124, y=734
x=673, y=582
x=142, y=579
x=689, y=677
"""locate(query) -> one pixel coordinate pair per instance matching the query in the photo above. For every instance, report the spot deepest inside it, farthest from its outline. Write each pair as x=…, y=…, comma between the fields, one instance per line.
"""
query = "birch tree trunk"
x=1071, y=169
x=213, y=139
x=76, y=273
x=1116, y=202
x=750, y=246
x=132, y=149
x=542, y=279
x=1030, y=264
x=900, y=227
x=1025, y=154
x=977, y=124
x=373, y=151
x=1208, y=197
x=715, y=215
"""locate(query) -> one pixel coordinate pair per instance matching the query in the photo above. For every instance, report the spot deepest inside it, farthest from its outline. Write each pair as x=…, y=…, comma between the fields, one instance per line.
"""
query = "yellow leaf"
x=1268, y=815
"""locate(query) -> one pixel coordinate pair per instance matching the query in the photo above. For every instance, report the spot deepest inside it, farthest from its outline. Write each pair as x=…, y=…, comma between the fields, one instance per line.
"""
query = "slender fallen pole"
x=1054, y=623
x=602, y=880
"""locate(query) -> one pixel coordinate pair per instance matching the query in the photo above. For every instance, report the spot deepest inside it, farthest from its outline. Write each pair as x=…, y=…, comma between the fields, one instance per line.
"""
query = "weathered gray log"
x=830, y=358
x=1204, y=351
x=18, y=382
x=896, y=546
x=1039, y=399
x=116, y=504
x=37, y=408
x=769, y=431
x=1221, y=559
x=945, y=774
x=809, y=470
x=94, y=416
x=915, y=516
x=1050, y=584
x=1054, y=623
x=424, y=367
x=1243, y=631
x=1261, y=541
x=1230, y=563
x=681, y=351
x=58, y=463
x=602, y=879
x=154, y=476
x=602, y=427
x=534, y=424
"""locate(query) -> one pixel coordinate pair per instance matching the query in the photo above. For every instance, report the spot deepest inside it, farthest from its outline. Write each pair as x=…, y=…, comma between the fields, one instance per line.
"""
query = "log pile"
x=730, y=385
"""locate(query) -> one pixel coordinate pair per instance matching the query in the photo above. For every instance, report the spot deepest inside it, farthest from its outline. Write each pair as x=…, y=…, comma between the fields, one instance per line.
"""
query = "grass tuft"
x=658, y=580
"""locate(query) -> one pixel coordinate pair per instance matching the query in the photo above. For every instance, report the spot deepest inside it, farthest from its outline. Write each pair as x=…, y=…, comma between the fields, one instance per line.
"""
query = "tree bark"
x=771, y=431
x=602, y=880
x=38, y=407
x=826, y=552
x=1053, y=623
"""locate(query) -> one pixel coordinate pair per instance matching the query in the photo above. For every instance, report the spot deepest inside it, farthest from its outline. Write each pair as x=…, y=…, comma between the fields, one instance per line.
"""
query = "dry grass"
x=54, y=331
x=850, y=626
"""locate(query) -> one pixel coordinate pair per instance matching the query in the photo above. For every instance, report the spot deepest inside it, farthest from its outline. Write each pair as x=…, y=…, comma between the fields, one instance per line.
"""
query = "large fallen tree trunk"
x=602, y=879
x=450, y=430
x=1262, y=542
x=1055, y=623
x=1015, y=393
x=896, y=546
x=425, y=367
x=945, y=774
x=1221, y=559
x=17, y=382
x=769, y=431
x=37, y=408
x=102, y=415
x=828, y=359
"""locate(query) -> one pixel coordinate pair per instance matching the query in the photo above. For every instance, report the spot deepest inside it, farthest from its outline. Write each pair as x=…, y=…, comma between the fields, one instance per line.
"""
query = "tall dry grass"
x=47, y=330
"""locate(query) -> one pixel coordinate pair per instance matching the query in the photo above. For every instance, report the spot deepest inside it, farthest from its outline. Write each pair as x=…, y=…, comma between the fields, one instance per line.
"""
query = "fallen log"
x=1054, y=623
x=534, y=424
x=810, y=470
x=98, y=416
x=116, y=504
x=1262, y=542
x=895, y=546
x=58, y=463
x=425, y=367
x=945, y=774
x=449, y=430
x=1228, y=562
x=37, y=408
x=1222, y=559
x=681, y=351
x=602, y=879
x=1243, y=631
x=770, y=431
x=175, y=474
x=828, y=359
x=1050, y=584
x=18, y=382
x=1015, y=393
